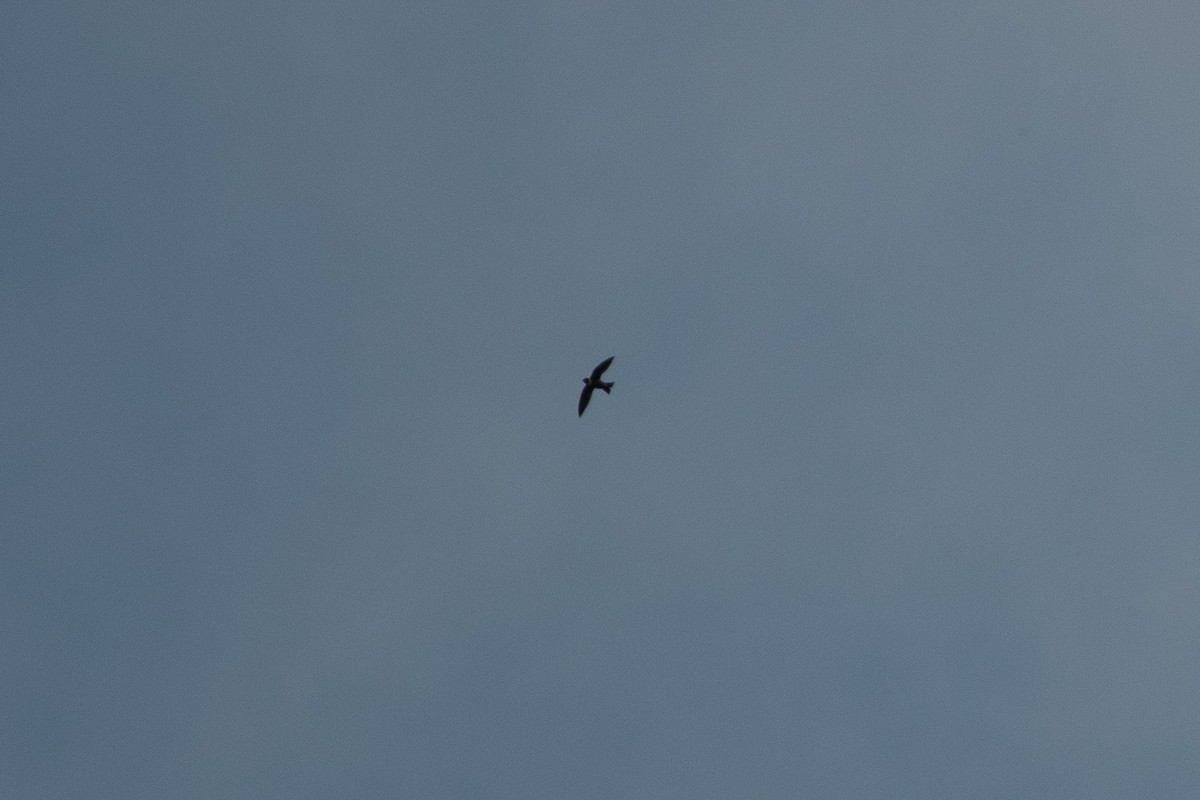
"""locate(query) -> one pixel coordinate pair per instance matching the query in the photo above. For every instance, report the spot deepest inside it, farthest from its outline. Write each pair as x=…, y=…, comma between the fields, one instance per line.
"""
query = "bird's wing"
x=584, y=396
x=599, y=370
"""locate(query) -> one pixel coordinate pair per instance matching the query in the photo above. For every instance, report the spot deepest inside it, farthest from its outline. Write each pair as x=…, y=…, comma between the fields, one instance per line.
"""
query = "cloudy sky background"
x=895, y=495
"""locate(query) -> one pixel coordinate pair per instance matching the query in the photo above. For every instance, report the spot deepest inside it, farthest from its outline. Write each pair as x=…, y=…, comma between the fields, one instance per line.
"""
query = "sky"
x=895, y=494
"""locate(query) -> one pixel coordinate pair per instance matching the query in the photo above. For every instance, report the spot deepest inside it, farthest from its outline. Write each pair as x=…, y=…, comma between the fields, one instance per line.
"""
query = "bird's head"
x=585, y=380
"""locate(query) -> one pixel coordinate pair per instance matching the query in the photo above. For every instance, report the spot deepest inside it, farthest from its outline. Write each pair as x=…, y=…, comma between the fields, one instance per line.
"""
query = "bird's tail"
x=604, y=387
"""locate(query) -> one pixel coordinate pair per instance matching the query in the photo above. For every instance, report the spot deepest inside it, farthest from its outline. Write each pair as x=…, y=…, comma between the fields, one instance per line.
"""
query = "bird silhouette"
x=593, y=382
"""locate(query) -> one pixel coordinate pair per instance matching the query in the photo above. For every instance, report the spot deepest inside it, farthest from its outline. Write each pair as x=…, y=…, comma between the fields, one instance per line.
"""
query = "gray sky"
x=895, y=494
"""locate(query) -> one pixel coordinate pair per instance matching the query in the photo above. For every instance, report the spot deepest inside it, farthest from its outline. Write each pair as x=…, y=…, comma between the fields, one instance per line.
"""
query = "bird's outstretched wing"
x=584, y=396
x=599, y=370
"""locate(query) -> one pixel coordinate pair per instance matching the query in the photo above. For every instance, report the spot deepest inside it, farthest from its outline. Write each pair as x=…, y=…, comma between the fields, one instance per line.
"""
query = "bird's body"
x=593, y=382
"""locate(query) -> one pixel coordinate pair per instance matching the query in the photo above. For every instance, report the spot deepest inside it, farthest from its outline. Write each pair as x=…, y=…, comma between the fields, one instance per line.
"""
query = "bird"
x=593, y=382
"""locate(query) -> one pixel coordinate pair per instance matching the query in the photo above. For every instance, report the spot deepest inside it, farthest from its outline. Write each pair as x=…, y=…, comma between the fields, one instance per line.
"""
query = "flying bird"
x=593, y=382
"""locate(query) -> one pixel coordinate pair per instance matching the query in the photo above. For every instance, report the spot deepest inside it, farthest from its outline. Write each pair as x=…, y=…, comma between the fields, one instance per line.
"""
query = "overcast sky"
x=897, y=493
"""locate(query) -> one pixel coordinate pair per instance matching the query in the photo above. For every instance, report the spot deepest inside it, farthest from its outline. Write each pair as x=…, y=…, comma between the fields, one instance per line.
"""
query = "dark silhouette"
x=594, y=382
